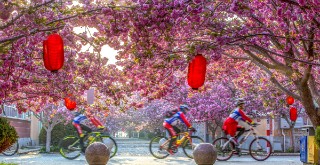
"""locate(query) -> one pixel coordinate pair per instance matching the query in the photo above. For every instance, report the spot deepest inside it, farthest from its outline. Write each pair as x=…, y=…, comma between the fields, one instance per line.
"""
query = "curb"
x=24, y=151
x=285, y=154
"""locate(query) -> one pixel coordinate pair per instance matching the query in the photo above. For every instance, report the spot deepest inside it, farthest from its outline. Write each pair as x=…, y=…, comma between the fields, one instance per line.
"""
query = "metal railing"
x=10, y=111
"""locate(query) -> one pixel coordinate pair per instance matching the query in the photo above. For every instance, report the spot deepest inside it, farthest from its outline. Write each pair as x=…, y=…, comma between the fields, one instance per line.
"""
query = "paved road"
x=135, y=152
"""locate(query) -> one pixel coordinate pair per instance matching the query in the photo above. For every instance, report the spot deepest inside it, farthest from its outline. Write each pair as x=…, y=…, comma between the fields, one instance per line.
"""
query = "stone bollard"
x=205, y=154
x=97, y=153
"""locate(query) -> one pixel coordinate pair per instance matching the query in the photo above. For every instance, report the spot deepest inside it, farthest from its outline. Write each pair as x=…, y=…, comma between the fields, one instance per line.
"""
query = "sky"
x=106, y=50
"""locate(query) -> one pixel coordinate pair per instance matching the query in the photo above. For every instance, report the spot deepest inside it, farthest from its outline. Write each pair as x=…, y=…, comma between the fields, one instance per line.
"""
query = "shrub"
x=54, y=148
x=58, y=132
x=3, y=163
x=146, y=134
x=8, y=134
x=142, y=134
x=317, y=136
x=290, y=150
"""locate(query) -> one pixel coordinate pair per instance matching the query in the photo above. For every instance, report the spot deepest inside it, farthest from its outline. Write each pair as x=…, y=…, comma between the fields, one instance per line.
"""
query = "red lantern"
x=293, y=114
x=71, y=105
x=290, y=100
x=197, y=72
x=53, y=52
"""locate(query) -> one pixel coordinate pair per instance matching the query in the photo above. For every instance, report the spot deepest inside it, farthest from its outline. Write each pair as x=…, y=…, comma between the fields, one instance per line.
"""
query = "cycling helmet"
x=239, y=101
x=183, y=108
x=76, y=114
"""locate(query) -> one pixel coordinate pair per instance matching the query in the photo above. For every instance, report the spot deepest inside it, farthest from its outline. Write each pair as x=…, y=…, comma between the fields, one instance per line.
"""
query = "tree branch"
x=34, y=31
x=256, y=58
x=276, y=82
x=22, y=13
x=265, y=53
x=235, y=57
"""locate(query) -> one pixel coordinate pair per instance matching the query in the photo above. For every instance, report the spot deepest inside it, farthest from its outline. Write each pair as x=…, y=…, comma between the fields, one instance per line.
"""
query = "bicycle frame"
x=186, y=135
x=72, y=145
x=244, y=139
x=94, y=134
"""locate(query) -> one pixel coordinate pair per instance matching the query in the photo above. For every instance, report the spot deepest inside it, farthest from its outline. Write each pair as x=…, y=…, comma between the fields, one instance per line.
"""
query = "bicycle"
x=70, y=148
x=13, y=149
x=259, y=148
x=159, y=145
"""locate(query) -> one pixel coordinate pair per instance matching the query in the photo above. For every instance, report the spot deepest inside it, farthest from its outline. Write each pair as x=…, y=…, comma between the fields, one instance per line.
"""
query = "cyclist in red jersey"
x=230, y=125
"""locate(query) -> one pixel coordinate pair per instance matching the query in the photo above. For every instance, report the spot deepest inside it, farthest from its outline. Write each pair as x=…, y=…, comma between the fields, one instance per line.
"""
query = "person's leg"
x=80, y=134
x=232, y=129
x=241, y=130
x=78, y=128
x=88, y=130
x=176, y=129
x=232, y=132
x=172, y=134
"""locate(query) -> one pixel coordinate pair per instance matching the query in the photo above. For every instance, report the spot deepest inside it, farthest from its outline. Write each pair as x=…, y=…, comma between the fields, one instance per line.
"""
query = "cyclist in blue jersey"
x=169, y=125
x=78, y=123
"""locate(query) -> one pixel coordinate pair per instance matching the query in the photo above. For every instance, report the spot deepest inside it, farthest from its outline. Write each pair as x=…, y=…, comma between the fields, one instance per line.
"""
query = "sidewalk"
x=54, y=159
x=29, y=149
x=136, y=152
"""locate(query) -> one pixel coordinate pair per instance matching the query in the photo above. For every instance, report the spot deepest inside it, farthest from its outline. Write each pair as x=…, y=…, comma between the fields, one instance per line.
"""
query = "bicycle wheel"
x=158, y=147
x=11, y=150
x=224, y=149
x=110, y=143
x=260, y=149
x=189, y=145
x=69, y=147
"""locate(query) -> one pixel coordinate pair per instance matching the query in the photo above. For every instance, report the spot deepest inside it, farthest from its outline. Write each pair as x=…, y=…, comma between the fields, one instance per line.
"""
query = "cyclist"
x=170, y=122
x=79, y=123
x=230, y=125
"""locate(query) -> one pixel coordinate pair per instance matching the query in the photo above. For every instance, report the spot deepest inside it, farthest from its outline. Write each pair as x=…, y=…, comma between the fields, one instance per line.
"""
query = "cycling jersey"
x=238, y=114
x=176, y=117
x=230, y=125
x=169, y=123
x=80, y=118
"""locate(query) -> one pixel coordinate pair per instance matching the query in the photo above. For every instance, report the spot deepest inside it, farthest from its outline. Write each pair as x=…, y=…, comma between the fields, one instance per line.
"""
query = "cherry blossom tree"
x=156, y=39
x=50, y=116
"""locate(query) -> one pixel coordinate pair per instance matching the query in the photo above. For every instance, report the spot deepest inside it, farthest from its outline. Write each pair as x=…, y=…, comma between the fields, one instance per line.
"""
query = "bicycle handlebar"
x=254, y=125
x=192, y=130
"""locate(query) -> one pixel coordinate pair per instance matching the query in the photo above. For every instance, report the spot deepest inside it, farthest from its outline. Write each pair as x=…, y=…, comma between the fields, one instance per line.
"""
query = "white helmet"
x=240, y=101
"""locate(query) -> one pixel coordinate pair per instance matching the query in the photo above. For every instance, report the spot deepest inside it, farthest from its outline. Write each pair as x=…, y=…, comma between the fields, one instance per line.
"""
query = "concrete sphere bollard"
x=97, y=153
x=205, y=154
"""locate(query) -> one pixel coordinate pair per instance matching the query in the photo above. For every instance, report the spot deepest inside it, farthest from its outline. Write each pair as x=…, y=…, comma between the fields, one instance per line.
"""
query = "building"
x=27, y=126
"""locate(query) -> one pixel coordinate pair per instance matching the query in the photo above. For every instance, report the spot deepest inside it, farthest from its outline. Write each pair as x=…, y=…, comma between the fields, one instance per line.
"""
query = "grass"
x=2, y=163
x=52, y=149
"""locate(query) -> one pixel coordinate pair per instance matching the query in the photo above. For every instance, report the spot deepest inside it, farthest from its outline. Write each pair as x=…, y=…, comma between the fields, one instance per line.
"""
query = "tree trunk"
x=213, y=127
x=292, y=144
x=307, y=101
x=48, y=140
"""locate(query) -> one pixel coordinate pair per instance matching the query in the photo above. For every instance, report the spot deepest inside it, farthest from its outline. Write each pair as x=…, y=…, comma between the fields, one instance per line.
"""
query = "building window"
x=12, y=112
